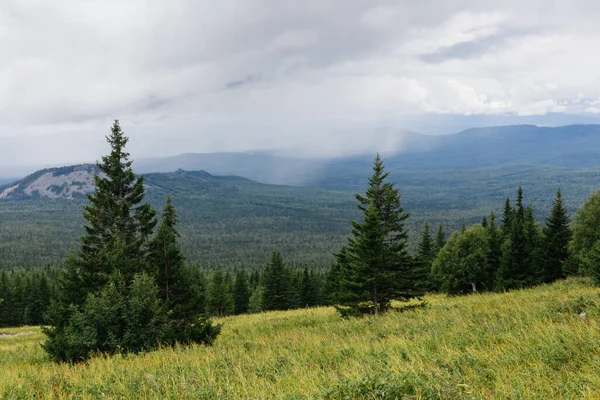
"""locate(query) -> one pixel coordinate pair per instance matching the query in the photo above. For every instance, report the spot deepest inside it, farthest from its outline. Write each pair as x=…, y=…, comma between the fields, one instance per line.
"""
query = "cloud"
x=202, y=76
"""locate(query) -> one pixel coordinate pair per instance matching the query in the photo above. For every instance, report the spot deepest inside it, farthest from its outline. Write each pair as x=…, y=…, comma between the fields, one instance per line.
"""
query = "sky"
x=312, y=77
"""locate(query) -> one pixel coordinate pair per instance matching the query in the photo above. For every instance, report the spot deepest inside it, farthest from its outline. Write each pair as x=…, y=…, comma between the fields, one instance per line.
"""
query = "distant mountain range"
x=573, y=146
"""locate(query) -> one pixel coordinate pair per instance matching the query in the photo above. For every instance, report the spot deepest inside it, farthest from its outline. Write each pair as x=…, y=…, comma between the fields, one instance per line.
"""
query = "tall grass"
x=529, y=344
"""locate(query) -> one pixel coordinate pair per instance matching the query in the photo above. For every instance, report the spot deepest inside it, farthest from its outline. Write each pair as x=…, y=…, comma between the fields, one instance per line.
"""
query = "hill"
x=524, y=344
x=233, y=221
x=572, y=146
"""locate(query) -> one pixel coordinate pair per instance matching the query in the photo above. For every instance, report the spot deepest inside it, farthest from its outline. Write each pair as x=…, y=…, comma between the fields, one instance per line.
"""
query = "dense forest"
x=130, y=287
x=231, y=222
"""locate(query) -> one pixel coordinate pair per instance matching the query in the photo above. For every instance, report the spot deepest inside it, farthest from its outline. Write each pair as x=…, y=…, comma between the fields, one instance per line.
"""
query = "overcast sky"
x=314, y=75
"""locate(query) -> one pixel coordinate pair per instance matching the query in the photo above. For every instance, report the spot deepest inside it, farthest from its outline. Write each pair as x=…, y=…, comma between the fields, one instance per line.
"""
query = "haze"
x=315, y=77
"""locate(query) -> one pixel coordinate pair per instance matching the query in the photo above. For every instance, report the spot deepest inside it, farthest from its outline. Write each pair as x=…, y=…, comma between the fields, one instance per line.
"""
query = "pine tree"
x=376, y=267
x=557, y=235
x=278, y=292
x=241, y=293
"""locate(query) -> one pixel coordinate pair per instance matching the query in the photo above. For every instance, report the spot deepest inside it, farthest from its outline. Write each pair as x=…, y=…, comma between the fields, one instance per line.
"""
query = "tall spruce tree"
x=309, y=290
x=241, y=293
x=109, y=287
x=507, y=218
x=426, y=252
x=533, y=244
x=376, y=266
x=495, y=244
x=118, y=220
x=440, y=238
x=514, y=270
x=278, y=293
x=557, y=235
x=219, y=299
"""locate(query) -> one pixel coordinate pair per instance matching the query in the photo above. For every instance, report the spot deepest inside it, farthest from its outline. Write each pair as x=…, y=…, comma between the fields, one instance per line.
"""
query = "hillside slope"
x=528, y=344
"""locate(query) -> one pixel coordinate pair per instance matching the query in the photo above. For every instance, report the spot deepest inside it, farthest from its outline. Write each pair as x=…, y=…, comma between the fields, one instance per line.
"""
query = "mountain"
x=54, y=183
x=572, y=146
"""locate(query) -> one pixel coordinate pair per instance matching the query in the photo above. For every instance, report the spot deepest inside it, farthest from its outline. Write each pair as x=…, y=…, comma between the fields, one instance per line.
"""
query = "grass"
x=529, y=344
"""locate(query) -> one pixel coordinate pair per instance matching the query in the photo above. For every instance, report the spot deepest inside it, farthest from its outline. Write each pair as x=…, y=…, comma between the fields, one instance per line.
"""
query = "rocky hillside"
x=64, y=182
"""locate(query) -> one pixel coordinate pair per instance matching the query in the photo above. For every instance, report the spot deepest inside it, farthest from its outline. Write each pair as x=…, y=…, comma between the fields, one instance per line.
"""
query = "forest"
x=129, y=287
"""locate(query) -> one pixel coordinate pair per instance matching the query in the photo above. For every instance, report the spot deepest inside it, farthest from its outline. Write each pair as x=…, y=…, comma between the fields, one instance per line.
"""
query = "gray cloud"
x=201, y=76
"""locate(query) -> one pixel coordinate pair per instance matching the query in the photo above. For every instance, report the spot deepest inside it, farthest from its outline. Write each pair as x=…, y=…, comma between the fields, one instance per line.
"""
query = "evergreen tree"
x=507, y=217
x=108, y=290
x=426, y=252
x=309, y=291
x=256, y=300
x=557, y=235
x=494, y=257
x=278, y=292
x=533, y=243
x=376, y=266
x=514, y=271
x=219, y=301
x=241, y=293
x=118, y=220
x=440, y=238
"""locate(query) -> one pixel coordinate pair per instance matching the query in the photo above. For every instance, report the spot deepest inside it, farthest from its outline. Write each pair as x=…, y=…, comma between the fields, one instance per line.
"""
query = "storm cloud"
x=316, y=75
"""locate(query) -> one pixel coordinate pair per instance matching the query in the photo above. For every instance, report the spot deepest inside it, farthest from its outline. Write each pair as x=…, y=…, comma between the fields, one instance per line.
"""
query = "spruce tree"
x=507, y=217
x=376, y=266
x=533, y=243
x=219, y=298
x=426, y=252
x=514, y=270
x=557, y=235
x=108, y=290
x=309, y=291
x=495, y=243
x=440, y=238
x=241, y=293
x=278, y=292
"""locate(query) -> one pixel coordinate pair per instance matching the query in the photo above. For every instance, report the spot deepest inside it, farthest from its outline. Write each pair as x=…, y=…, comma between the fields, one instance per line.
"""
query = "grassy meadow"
x=530, y=344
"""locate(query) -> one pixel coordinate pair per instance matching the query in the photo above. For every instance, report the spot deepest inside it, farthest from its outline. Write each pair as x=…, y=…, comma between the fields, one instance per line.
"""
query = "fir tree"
x=557, y=235
x=108, y=291
x=494, y=257
x=440, y=238
x=241, y=293
x=514, y=271
x=309, y=291
x=376, y=265
x=278, y=292
x=507, y=217
x=533, y=243
x=219, y=299
x=426, y=252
